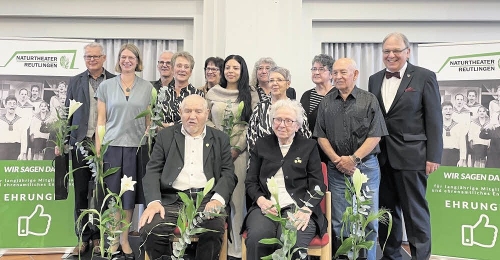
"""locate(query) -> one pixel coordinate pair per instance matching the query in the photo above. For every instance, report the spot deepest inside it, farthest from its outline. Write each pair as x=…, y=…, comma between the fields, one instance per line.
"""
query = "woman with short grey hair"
x=259, y=78
x=260, y=123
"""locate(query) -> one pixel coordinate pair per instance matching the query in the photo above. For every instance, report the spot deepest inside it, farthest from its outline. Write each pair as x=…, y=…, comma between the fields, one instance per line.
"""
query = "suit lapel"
x=377, y=90
x=208, y=142
x=84, y=84
x=179, y=141
x=405, y=81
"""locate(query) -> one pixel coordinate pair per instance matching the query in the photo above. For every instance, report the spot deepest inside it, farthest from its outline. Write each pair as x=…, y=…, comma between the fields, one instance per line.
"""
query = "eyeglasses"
x=130, y=58
x=320, y=70
x=166, y=63
x=180, y=66
x=396, y=52
x=272, y=81
x=264, y=68
x=92, y=57
x=288, y=122
x=210, y=69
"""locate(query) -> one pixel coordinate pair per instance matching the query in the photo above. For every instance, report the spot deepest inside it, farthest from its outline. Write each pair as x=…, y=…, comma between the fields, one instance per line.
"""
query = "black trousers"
x=157, y=236
x=404, y=191
x=259, y=226
x=81, y=178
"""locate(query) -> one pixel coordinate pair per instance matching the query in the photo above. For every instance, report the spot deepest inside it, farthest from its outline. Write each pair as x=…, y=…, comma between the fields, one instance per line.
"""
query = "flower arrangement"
x=108, y=218
x=62, y=128
x=231, y=120
x=190, y=219
x=357, y=217
x=288, y=237
x=155, y=112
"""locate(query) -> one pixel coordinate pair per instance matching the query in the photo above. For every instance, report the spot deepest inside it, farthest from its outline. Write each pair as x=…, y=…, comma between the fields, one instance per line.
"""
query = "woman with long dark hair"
x=223, y=101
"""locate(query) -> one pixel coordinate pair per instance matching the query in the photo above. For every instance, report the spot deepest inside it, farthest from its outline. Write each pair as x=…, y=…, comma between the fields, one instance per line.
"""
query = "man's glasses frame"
x=166, y=63
x=396, y=52
x=92, y=57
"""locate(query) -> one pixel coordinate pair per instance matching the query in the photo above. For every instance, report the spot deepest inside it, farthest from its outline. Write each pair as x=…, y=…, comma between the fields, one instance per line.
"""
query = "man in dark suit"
x=81, y=88
x=184, y=158
x=410, y=102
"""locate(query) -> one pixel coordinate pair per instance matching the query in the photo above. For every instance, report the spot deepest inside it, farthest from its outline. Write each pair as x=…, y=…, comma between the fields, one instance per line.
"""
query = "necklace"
x=129, y=86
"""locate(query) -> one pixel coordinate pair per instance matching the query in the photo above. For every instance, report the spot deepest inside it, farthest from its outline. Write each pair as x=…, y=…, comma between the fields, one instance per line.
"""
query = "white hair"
x=289, y=105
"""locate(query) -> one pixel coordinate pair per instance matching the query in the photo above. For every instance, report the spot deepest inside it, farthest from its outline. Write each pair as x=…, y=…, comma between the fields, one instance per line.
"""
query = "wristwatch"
x=356, y=159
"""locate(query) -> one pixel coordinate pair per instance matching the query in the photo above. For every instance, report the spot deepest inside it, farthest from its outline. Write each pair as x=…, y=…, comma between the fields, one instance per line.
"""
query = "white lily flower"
x=358, y=179
x=101, y=129
x=272, y=186
x=73, y=106
x=127, y=184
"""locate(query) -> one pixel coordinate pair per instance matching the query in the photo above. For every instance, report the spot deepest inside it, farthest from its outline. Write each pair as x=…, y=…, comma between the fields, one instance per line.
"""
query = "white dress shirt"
x=192, y=174
x=390, y=87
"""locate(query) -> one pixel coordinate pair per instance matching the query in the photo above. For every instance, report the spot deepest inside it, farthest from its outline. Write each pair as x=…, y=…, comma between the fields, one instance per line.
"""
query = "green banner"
x=464, y=212
x=31, y=218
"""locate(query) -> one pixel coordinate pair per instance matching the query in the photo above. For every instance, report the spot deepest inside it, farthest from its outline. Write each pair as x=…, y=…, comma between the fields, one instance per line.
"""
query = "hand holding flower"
x=266, y=206
x=213, y=206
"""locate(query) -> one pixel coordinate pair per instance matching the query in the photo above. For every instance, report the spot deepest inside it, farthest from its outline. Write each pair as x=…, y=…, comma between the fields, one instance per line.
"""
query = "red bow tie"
x=389, y=74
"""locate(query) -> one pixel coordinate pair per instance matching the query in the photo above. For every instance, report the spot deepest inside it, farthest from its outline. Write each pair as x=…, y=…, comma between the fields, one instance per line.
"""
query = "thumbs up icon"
x=482, y=233
x=37, y=224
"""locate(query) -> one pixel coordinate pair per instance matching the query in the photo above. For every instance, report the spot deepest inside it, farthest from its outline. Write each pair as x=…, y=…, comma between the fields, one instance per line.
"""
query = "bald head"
x=194, y=114
x=345, y=73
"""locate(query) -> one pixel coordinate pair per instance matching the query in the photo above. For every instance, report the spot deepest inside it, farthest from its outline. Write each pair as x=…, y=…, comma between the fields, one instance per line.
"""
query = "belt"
x=193, y=190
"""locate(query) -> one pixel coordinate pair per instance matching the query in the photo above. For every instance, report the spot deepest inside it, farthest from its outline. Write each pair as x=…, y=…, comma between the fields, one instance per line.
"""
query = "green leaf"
x=274, y=218
x=270, y=241
x=110, y=171
x=366, y=244
x=345, y=247
x=208, y=186
x=267, y=257
x=185, y=199
x=143, y=113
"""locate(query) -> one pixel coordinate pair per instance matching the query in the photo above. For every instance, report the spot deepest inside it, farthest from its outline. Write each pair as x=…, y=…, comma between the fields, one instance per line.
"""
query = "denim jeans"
x=336, y=185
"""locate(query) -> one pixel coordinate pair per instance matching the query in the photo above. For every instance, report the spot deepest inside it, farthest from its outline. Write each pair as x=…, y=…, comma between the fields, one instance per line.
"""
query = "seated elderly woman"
x=260, y=123
x=295, y=163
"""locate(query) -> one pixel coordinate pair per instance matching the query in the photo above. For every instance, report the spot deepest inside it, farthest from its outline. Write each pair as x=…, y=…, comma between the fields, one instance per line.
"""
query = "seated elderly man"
x=184, y=158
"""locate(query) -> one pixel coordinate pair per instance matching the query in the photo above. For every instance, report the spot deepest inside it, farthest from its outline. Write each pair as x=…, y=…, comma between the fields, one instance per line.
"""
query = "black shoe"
x=126, y=256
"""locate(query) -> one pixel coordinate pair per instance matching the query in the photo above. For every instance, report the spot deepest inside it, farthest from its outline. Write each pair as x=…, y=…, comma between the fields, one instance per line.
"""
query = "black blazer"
x=301, y=168
x=167, y=161
x=78, y=89
x=414, y=120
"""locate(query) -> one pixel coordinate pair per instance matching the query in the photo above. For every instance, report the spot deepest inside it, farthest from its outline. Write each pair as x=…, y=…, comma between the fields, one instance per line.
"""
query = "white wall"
x=290, y=31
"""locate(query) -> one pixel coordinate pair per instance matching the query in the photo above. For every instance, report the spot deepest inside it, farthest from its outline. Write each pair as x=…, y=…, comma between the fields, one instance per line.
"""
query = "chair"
x=319, y=246
x=223, y=249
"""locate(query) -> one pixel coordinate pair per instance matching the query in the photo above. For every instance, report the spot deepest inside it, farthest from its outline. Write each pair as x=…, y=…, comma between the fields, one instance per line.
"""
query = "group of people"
x=469, y=129
x=392, y=133
x=25, y=126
